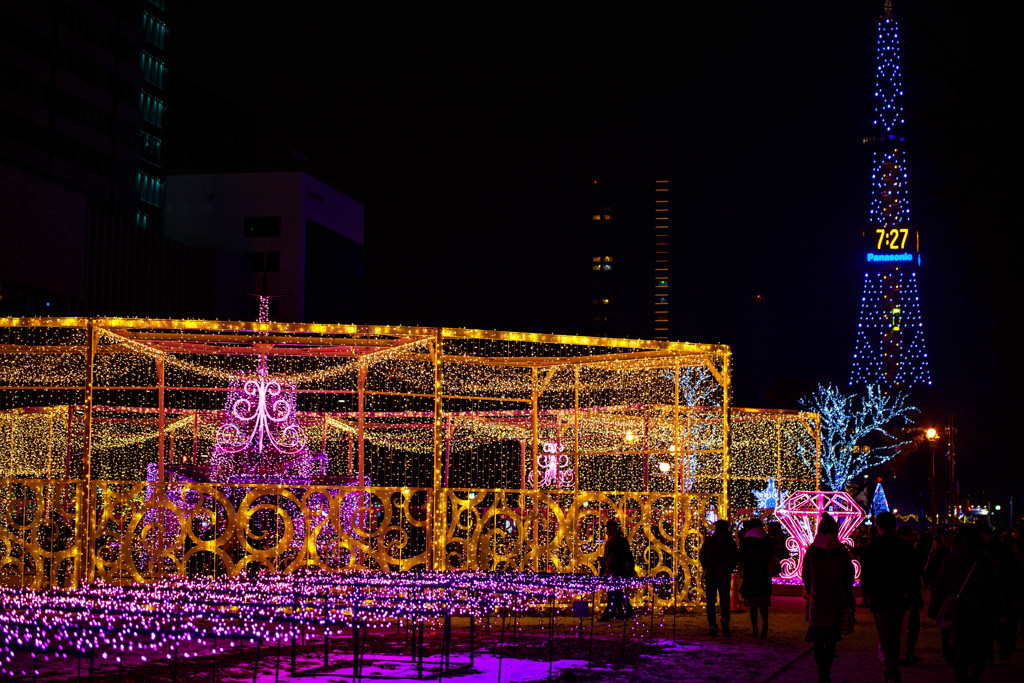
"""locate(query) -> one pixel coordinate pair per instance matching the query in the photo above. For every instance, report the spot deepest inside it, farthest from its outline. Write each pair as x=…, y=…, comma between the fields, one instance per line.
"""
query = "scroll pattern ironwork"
x=39, y=532
x=530, y=530
x=144, y=531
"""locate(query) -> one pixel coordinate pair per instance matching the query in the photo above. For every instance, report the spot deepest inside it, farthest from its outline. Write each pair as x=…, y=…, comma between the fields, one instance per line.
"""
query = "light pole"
x=932, y=436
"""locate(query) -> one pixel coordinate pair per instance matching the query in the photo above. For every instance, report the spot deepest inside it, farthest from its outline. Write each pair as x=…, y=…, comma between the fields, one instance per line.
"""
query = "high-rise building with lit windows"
x=890, y=349
x=628, y=224
x=82, y=130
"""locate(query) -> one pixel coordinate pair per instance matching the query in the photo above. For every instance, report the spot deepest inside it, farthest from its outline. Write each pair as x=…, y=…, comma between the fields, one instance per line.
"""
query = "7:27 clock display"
x=894, y=239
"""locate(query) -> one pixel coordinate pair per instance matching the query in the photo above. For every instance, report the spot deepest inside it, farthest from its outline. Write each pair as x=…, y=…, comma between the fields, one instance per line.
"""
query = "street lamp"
x=932, y=436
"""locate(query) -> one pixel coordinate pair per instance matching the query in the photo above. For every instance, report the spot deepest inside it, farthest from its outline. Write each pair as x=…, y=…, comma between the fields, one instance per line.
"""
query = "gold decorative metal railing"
x=141, y=531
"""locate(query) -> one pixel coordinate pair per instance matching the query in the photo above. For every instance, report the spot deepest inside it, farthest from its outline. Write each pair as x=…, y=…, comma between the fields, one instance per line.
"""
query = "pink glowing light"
x=801, y=513
x=553, y=468
x=268, y=418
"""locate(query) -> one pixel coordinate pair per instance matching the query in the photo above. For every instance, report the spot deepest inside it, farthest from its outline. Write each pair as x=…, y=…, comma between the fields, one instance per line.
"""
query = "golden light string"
x=355, y=365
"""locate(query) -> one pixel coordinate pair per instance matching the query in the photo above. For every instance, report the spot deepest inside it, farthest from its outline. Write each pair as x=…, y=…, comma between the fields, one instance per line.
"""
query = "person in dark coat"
x=913, y=620
x=970, y=573
x=828, y=579
x=888, y=574
x=718, y=558
x=617, y=562
x=1010, y=581
x=942, y=543
x=756, y=562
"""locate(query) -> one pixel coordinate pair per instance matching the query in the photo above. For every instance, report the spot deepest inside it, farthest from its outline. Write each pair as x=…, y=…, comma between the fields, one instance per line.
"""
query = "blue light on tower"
x=889, y=350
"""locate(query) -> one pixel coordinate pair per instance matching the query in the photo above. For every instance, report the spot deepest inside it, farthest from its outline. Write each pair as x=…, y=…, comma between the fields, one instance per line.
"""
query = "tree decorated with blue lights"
x=857, y=431
x=878, y=503
x=890, y=349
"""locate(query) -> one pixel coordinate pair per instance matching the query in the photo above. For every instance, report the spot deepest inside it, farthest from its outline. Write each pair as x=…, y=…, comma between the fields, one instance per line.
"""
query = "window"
x=264, y=261
x=661, y=283
x=606, y=267
x=262, y=226
x=150, y=188
x=607, y=259
x=156, y=30
x=152, y=109
x=152, y=147
x=153, y=70
x=596, y=259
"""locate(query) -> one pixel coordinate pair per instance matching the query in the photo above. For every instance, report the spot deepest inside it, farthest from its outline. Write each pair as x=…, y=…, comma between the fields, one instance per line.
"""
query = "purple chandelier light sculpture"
x=260, y=437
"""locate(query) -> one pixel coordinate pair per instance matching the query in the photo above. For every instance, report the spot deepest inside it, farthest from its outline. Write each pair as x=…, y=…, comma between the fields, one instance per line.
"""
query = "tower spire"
x=890, y=350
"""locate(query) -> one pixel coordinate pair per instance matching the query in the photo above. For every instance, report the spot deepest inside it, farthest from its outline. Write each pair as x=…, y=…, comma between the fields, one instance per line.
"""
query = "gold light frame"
x=79, y=528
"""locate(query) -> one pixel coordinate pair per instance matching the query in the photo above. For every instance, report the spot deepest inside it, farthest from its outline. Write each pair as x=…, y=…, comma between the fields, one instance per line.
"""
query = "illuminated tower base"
x=890, y=349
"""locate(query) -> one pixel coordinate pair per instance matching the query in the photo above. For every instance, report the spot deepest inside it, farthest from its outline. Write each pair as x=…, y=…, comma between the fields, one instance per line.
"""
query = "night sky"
x=471, y=137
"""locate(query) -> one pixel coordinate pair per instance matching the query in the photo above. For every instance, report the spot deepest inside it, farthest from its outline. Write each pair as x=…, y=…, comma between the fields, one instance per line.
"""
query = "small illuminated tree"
x=855, y=431
x=879, y=504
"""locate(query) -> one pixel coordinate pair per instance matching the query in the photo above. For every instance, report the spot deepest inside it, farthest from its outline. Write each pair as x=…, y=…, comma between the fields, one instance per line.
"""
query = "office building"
x=82, y=115
x=629, y=228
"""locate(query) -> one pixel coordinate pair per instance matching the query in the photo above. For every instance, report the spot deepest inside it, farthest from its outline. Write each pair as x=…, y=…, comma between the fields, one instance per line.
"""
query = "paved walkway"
x=784, y=656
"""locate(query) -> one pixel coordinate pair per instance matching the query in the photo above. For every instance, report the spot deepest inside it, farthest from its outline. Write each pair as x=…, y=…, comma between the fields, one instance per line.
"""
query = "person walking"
x=617, y=562
x=912, y=623
x=1010, y=580
x=718, y=558
x=756, y=562
x=828, y=579
x=888, y=573
x=967, y=602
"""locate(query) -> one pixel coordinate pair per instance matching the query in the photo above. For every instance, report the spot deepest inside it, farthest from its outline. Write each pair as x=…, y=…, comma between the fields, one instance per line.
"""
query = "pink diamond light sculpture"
x=800, y=514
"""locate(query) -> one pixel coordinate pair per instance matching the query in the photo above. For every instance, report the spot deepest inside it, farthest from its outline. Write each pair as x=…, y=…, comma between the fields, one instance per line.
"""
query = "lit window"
x=596, y=259
x=604, y=301
x=597, y=267
x=597, y=217
x=606, y=267
x=607, y=259
x=607, y=216
x=152, y=109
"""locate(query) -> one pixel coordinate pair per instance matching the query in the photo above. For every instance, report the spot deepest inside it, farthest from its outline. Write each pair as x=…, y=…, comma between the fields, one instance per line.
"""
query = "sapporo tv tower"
x=890, y=349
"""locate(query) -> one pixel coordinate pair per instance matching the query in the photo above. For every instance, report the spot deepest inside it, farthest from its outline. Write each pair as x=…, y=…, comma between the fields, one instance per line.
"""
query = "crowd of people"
x=973, y=574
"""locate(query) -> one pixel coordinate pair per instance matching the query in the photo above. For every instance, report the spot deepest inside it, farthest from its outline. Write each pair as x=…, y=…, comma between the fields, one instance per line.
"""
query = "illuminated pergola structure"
x=461, y=449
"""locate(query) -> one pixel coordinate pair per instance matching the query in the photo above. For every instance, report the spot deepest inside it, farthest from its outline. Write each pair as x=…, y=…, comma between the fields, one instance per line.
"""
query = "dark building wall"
x=43, y=256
